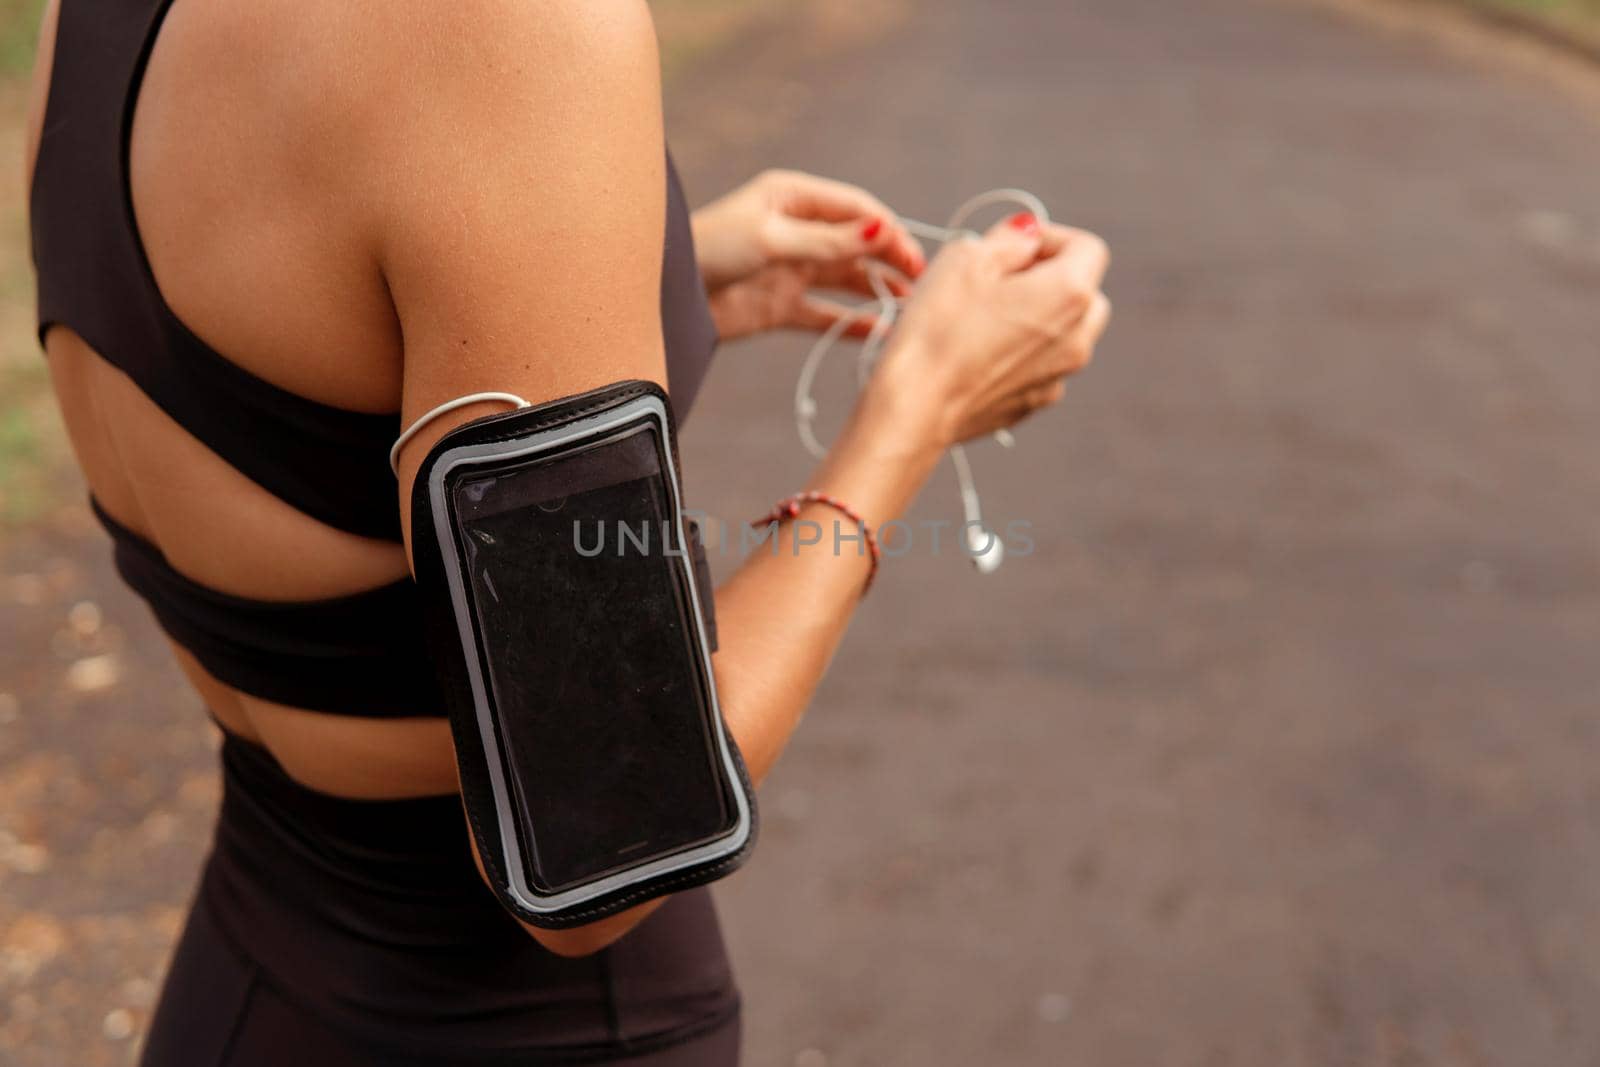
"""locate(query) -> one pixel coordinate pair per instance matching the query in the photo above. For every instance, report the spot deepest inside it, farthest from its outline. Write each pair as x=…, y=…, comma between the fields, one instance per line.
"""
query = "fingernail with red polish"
x=871, y=229
x=1024, y=221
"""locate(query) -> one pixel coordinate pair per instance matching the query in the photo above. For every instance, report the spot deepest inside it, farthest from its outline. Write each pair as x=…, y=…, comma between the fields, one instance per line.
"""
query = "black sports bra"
x=356, y=655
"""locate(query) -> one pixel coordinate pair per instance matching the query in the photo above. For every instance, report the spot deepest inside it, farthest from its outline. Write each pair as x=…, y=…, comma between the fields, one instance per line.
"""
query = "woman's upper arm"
x=519, y=198
x=517, y=183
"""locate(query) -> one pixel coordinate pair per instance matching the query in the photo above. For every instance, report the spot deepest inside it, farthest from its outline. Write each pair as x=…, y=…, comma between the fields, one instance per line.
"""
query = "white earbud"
x=985, y=549
x=982, y=544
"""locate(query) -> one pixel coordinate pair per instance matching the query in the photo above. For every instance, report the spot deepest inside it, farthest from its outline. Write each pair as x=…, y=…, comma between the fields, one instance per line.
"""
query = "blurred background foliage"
x=19, y=20
x=1579, y=19
x=31, y=440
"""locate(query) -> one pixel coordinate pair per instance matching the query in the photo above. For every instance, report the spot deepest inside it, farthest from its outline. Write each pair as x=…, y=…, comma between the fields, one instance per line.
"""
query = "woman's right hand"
x=995, y=327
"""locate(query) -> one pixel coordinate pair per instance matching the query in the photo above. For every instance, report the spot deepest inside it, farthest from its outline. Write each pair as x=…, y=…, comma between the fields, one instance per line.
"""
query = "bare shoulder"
x=416, y=95
x=414, y=67
x=514, y=162
x=570, y=33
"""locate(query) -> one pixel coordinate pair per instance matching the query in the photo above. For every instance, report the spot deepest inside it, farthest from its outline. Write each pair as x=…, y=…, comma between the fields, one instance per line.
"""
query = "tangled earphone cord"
x=988, y=553
x=984, y=547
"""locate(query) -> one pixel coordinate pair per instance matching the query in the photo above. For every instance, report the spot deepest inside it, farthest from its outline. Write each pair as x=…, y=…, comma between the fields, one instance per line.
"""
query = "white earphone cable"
x=447, y=406
x=886, y=310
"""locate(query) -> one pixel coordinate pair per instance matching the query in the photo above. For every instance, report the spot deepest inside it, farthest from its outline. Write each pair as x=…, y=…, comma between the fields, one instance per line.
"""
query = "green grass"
x=32, y=442
x=32, y=445
x=1576, y=18
x=1560, y=8
x=19, y=28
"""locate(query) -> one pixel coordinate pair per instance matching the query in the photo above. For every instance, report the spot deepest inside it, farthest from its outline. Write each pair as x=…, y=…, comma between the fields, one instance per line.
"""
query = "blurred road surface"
x=1279, y=749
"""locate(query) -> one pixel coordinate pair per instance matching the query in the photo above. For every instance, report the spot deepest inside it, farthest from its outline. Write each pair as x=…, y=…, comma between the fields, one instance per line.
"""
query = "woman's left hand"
x=766, y=248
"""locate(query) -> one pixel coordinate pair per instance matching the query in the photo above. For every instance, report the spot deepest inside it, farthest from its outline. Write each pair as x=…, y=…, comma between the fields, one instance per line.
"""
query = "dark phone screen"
x=590, y=647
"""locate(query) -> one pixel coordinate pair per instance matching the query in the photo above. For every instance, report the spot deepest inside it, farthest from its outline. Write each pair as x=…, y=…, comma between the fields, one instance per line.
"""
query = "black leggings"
x=219, y=1010
x=331, y=931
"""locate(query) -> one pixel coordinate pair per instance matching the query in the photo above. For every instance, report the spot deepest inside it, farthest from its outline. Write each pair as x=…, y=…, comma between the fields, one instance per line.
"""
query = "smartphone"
x=591, y=663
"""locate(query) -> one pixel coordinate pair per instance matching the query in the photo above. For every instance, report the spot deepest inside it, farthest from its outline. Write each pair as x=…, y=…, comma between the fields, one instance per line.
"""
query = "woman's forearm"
x=781, y=616
x=997, y=324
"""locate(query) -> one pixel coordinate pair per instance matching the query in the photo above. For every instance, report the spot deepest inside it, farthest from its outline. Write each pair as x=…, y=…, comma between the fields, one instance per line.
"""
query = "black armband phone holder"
x=569, y=616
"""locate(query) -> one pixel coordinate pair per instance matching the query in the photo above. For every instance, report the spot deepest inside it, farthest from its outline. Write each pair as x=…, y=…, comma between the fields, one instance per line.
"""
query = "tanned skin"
x=384, y=205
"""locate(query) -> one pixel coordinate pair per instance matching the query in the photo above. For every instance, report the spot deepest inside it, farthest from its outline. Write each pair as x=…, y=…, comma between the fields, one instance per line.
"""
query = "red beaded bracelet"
x=789, y=508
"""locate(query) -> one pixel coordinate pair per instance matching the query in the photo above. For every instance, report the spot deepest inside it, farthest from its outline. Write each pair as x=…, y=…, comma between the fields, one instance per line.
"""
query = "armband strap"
x=569, y=617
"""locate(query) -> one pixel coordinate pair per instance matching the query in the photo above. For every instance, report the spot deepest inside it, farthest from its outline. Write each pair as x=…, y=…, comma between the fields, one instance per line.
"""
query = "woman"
x=320, y=221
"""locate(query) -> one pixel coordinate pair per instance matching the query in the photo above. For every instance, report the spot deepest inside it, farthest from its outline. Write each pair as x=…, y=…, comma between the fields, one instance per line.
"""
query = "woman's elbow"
x=573, y=944
x=579, y=941
x=590, y=938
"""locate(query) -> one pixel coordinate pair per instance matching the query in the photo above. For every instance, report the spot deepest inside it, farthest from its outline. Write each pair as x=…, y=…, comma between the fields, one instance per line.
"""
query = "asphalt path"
x=1280, y=748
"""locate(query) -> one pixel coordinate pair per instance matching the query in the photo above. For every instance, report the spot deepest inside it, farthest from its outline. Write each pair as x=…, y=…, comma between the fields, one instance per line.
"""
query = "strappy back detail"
x=95, y=278
x=356, y=655
x=361, y=654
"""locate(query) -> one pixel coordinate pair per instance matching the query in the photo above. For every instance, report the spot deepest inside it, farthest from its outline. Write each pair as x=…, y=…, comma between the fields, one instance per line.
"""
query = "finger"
x=809, y=198
x=1024, y=402
x=828, y=243
x=795, y=239
x=1075, y=351
x=1044, y=395
x=1012, y=244
x=1071, y=257
x=856, y=277
x=1093, y=325
x=1014, y=407
x=815, y=313
x=900, y=250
